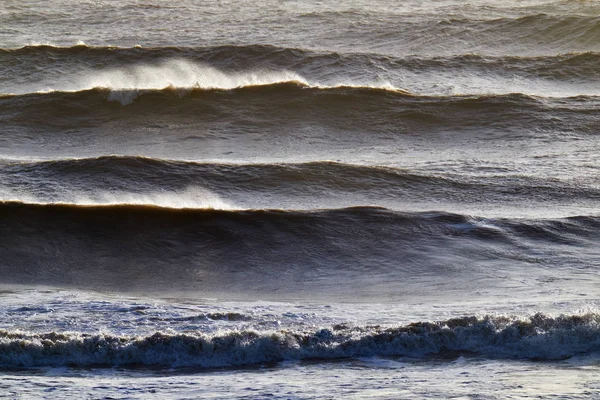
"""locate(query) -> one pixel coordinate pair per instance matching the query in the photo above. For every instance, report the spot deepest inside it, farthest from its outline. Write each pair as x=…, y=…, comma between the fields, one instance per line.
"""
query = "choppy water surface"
x=299, y=200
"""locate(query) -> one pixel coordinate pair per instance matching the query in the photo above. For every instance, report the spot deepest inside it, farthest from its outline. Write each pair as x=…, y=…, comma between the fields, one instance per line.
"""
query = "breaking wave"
x=190, y=65
x=266, y=253
x=111, y=180
x=286, y=104
x=82, y=68
x=538, y=337
x=181, y=74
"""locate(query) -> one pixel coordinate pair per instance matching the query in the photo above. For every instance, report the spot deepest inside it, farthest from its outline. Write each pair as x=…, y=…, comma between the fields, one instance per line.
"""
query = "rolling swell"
x=267, y=107
x=326, y=184
x=508, y=35
x=454, y=32
x=580, y=66
x=538, y=337
x=280, y=253
x=229, y=67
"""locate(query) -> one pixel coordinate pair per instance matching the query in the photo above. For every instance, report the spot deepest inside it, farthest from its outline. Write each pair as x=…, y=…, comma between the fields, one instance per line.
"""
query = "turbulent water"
x=299, y=199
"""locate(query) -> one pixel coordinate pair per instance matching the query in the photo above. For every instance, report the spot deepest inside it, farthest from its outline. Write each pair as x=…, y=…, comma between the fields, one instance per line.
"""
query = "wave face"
x=269, y=123
x=287, y=103
x=285, y=253
x=202, y=161
x=114, y=180
x=306, y=62
x=538, y=337
x=82, y=67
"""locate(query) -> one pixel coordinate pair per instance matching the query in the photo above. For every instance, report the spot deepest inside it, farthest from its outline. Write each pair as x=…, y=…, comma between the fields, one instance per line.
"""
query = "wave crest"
x=191, y=197
x=181, y=73
x=174, y=74
x=127, y=82
x=538, y=337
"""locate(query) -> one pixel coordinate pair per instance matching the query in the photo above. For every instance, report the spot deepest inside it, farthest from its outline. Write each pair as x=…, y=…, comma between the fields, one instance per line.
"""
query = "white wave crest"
x=539, y=337
x=128, y=82
x=180, y=73
x=191, y=197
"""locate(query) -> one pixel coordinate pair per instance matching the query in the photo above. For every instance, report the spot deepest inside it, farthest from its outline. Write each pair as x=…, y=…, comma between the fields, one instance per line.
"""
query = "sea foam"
x=195, y=197
x=538, y=337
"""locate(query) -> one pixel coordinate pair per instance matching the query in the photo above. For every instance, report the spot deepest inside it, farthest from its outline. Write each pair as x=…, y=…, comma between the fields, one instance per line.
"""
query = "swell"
x=286, y=254
x=502, y=33
x=108, y=180
x=537, y=337
x=326, y=66
x=237, y=57
x=269, y=107
x=452, y=223
x=451, y=30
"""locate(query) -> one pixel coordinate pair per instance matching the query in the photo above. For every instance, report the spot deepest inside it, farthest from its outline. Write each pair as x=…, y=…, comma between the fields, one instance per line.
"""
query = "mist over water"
x=299, y=200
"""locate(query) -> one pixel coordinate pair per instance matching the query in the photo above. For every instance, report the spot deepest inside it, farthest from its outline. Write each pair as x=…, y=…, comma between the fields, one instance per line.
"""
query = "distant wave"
x=538, y=337
x=125, y=70
x=519, y=30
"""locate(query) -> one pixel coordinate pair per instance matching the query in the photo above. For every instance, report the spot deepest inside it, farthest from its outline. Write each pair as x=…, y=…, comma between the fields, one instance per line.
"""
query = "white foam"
x=191, y=197
x=536, y=337
x=179, y=73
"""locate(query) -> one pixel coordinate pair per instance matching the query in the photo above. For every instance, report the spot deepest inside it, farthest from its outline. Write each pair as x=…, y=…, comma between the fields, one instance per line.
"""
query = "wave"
x=239, y=57
x=502, y=34
x=455, y=222
x=538, y=337
x=188, y=197
x=266, y=253
x=158, y=72
x=445, y=29
x=233, y=66
x=139, y=180
x=182, y=74
x=288, y=103
x=488, y=31
x=126, y=91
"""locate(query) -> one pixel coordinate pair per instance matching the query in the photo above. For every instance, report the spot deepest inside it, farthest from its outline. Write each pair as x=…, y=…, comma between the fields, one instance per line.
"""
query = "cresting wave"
x=189, y=197
x=455, y=224
x=181, y=74
x=127, y=91
x=224, y=67
x=110, y=180
x=290, y=87
x=569, y=65
x=276, y=253
x=538, y=337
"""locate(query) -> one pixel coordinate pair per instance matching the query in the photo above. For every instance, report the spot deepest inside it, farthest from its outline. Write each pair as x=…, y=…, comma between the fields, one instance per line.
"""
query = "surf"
x=537, y=337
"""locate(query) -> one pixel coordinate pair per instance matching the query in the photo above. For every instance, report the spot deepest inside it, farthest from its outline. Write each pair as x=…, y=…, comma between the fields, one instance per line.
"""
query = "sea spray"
x=538, y=337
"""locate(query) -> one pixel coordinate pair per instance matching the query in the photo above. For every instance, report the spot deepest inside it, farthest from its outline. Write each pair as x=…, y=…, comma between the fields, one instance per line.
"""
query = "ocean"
x=299, y=199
